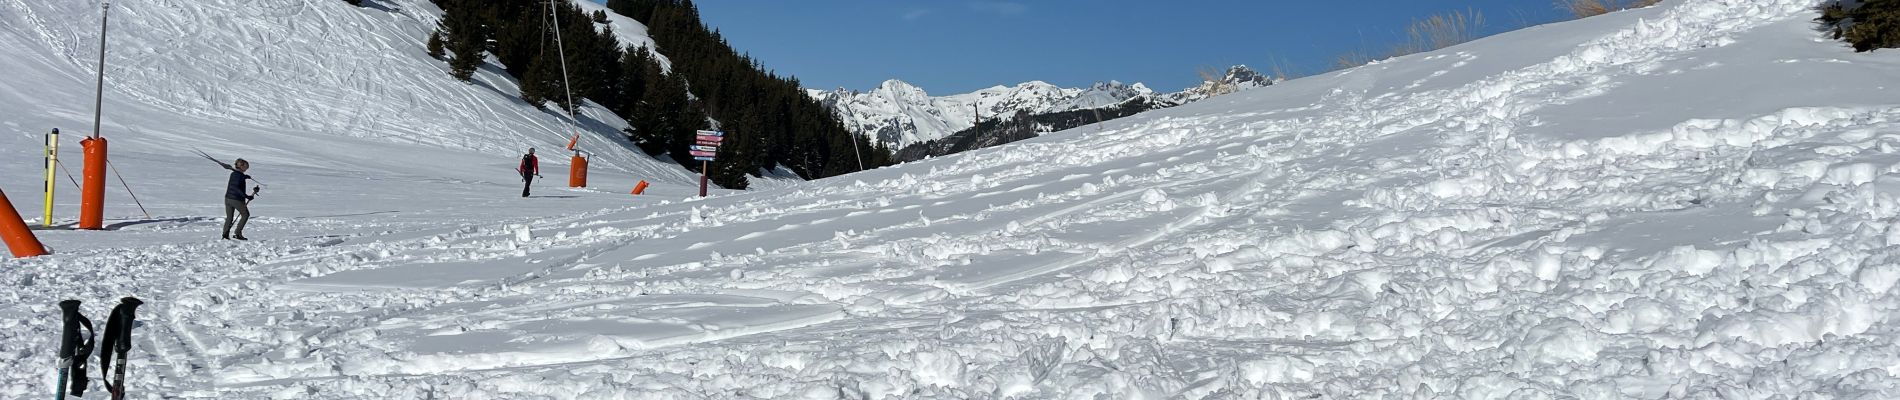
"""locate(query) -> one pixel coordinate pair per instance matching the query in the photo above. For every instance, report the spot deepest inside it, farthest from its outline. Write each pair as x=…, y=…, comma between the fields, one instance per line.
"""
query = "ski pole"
x=118, y=340
x=68, y=333
x=201, y=153
x=69, y=344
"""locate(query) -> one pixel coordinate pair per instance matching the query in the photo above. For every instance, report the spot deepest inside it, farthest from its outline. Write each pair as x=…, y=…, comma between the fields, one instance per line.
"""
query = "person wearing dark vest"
x=530, y=168
x=236, y=200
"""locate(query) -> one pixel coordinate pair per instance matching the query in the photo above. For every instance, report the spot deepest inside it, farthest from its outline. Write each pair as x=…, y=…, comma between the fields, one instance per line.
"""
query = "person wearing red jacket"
x=530, y=168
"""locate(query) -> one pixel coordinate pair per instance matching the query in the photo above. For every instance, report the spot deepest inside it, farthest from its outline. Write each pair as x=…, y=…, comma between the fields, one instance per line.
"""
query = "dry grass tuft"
x=1590, y=8
x=1444, y=30
x=1431, y=33
x=1214, y=81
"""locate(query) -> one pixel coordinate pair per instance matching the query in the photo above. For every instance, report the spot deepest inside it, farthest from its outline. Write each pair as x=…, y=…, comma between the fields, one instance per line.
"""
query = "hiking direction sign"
x=707, y=148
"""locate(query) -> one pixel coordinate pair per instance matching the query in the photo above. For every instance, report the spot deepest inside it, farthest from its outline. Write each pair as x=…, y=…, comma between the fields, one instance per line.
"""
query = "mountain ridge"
x=901, y=114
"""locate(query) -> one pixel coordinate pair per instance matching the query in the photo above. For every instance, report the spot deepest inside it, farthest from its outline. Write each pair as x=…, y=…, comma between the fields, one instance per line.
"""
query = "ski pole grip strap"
x=82, y=350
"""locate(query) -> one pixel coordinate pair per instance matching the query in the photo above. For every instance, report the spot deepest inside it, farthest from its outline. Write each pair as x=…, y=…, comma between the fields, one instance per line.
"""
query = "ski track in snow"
x=1534, y=215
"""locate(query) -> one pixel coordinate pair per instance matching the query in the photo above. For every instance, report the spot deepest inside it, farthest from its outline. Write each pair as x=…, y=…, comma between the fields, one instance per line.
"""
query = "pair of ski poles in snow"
x=75, y=348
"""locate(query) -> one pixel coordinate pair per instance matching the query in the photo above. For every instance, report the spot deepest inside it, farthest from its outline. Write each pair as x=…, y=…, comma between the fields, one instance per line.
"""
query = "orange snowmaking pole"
x=13, y=230
x=92, y=191
x=577, y=171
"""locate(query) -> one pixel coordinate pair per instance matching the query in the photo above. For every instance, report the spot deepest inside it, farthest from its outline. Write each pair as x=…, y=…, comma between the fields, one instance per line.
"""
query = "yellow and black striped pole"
x=52, y=162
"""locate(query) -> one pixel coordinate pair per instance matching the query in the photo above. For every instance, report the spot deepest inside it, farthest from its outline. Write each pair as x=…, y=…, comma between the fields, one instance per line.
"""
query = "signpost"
x=706, y=151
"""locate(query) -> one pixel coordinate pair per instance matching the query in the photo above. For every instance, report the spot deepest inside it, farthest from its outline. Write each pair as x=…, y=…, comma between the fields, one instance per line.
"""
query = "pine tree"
x=541, y=83
x=435, y=44
x=1870, y=25
x=467, y=41
x=660, y=107
x=632, y=83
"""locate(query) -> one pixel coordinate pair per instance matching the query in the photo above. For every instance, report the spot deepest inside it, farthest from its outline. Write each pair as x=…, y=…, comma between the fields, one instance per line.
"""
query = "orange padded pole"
x=640, y=188
x=92, y=192
x=19, y=238
x=577, y=172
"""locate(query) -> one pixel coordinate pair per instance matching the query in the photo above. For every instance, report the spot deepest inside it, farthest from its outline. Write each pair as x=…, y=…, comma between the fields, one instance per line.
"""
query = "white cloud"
x=1004, y=8
x=916, y=14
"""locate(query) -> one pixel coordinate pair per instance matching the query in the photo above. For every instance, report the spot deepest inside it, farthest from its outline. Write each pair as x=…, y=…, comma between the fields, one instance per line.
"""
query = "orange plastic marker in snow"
x=92, y=192
x=577, y=172
x=13, y=230
x=640, y=188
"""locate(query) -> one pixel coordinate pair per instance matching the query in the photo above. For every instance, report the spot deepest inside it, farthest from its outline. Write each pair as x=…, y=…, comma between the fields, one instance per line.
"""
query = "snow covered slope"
x=284, y=82
x=1694, y=200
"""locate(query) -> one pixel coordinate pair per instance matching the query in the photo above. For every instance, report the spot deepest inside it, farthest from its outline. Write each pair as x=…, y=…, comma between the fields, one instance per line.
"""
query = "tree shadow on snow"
x=379, y=6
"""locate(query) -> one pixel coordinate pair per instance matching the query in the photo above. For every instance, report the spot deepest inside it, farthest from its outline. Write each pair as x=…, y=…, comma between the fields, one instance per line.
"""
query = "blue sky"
x=956, y=46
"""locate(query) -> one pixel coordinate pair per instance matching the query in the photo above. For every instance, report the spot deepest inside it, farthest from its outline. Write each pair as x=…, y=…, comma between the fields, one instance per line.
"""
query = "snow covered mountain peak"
x=899, y=113
x=894, y=85
x=1237, y=79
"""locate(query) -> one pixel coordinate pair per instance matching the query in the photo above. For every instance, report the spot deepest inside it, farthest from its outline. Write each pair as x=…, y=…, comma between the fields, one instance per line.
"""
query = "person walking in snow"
x=235, y=200
x=530, y=168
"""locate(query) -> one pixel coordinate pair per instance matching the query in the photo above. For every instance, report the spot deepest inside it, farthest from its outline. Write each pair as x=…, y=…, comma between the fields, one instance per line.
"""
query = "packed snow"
x=1694, y=200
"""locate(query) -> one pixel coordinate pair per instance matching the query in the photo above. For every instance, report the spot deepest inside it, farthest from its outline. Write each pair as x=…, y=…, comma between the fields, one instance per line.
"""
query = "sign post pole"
x=706, y=149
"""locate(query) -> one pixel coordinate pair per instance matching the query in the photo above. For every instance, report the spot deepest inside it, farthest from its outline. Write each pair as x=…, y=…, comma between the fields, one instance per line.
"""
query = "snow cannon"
x=577, y=172
x=19, y=238
x=92, y=192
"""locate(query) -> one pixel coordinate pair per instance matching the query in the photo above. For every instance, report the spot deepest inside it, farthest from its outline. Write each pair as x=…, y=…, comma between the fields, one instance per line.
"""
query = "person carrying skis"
x=235, y=200
x=530, y=168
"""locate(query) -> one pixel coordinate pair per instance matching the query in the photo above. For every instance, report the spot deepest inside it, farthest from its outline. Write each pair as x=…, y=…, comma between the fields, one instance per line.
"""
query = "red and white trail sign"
x=706, y=151
x=708, y=147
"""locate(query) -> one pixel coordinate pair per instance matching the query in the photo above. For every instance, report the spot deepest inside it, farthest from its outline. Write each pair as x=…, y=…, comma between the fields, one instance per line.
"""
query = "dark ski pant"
x=527, y=181
x=243, y=211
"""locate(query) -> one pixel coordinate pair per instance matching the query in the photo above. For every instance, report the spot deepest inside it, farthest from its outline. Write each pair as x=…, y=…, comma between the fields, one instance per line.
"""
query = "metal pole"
x=98, y=100
x=854, y=142
x=854, y=149
x=566, y=86
x=978, y=109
